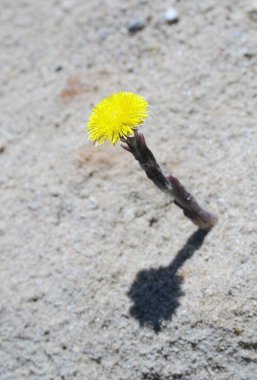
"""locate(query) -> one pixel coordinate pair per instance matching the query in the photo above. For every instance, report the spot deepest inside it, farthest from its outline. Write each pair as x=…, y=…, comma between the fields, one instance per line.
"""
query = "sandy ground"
x=102, y=278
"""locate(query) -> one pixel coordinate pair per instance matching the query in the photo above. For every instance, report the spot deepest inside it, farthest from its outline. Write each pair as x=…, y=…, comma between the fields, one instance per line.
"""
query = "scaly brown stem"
x=168, y=183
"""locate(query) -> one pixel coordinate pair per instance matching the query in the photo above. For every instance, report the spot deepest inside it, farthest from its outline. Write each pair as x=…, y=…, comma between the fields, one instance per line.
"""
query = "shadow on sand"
x=155, y=293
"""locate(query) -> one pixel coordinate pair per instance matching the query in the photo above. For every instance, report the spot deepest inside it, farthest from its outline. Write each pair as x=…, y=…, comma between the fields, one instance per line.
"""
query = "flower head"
x=117, y=116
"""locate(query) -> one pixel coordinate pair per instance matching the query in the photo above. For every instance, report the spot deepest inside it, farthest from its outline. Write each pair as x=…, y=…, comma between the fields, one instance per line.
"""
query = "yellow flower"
x=117, y=116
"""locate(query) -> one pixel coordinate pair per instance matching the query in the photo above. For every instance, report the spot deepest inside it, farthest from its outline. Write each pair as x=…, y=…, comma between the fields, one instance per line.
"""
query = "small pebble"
x=66, y=5
x=58, y=69
x=250, y=54
x=171, y=16
x=103, y=34
x=252, y=13
x=136, y=26
x=92, y=204
x=130, y=68
x=55, y=192
x=2, y=147
x=83, y=193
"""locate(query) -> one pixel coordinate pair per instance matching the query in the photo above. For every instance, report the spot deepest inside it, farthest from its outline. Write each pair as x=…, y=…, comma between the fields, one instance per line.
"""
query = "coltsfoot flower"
x=116, y=117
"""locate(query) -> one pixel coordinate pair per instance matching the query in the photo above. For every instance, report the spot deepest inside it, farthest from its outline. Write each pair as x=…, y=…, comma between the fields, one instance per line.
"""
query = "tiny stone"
x=171, y=16
x=237, y=331
x=253, y=13
x=55, y=192
x=83, y=193
x=92, y=203
x=136, y=26
x=2, y=147
x=66, y=5
x=130, y=68
x=250, y=54
x=103, y=34
x=58, y=69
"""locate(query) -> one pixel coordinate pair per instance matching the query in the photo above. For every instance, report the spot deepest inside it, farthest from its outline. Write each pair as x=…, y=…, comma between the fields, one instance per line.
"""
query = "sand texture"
x=101, y=276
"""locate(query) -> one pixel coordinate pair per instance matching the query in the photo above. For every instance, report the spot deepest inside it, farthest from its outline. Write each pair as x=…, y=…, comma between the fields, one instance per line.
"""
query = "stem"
x=168, y=183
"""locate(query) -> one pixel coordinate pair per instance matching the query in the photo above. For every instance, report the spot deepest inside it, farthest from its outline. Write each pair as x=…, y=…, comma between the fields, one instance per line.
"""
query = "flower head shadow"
x=156, y=292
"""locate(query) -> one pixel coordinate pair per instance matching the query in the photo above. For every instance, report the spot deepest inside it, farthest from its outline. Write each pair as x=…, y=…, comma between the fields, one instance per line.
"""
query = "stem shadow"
x=155, y=292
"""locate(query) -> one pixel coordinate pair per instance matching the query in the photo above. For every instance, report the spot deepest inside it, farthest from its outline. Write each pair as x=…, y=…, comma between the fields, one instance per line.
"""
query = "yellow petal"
x=117, y=116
